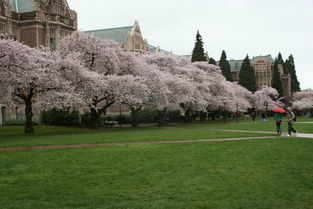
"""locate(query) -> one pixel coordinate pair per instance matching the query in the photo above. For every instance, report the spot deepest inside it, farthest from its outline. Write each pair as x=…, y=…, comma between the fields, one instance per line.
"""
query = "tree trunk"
x=202, y=115
x=29, y=116
x=213, y=115
x=161, y=117
x=188, y=115
x=134, y=115
x=95, y=119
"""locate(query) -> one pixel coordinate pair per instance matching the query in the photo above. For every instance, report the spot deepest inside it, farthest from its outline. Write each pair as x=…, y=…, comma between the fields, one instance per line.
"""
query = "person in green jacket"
x=278, y=118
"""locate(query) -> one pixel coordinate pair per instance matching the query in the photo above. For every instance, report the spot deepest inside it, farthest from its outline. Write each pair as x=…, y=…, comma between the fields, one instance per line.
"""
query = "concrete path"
x=285, y=134
x=309, y=122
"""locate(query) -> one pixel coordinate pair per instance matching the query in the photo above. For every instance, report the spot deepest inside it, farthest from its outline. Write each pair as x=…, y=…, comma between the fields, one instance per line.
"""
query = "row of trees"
x=247, y=75
x=96, y=74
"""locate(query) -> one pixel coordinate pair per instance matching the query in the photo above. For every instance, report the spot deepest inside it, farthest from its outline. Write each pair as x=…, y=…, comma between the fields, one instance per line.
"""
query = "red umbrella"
x=279, y=110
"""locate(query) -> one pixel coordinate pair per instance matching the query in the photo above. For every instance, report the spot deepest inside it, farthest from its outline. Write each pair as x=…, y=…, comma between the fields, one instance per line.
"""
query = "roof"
x=235, y=65
x=267, y=58
x=22, y=6
x=155, y=49
x=118, y=35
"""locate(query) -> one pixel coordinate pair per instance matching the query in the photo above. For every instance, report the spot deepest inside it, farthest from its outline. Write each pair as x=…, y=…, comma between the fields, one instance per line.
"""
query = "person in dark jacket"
x=290, y=120
x=278, y=118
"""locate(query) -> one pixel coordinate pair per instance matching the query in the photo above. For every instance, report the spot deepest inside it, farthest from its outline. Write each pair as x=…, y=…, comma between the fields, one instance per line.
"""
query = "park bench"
x=110, y=123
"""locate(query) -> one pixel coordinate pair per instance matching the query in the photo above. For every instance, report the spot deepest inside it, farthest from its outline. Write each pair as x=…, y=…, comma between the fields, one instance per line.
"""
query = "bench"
x=110, y=123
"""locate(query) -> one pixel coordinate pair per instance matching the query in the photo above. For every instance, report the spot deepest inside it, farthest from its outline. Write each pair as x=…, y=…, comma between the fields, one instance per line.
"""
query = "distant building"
x=129, y=38
x=264, y=68
x=37, y=22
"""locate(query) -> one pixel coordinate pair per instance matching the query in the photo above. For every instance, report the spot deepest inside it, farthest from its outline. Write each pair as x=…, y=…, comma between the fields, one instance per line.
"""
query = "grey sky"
x=239, y=27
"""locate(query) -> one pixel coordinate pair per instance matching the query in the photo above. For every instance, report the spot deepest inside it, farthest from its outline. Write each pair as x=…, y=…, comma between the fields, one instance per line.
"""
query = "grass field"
x=255, y=174
x=12, y=136
x=272, y=173
x=45, y=135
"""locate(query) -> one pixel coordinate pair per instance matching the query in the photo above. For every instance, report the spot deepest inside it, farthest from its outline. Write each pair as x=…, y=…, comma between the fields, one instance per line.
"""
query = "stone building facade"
x=264, y=68
x=37, y=22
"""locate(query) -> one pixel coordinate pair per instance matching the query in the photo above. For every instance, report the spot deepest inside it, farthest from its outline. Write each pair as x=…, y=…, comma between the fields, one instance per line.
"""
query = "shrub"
x=147, y=116
x=174, y=116
x=85, y=119
x=60, y=117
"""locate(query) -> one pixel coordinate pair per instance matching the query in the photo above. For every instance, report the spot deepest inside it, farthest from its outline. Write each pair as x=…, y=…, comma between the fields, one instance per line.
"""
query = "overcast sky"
x=239, y=27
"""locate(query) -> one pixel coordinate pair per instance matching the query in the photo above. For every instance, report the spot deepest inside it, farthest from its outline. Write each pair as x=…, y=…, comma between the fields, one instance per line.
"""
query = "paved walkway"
x=285, y=134
x=299, y=135
x=310, y=122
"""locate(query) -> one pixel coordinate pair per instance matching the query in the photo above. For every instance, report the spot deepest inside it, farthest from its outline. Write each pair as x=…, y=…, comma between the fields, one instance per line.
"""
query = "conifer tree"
x=247, y=75
x=198, y=51
x=225, y=67
x=280, y=61
x=291, y=69
x=276, y=81
x=212, y=61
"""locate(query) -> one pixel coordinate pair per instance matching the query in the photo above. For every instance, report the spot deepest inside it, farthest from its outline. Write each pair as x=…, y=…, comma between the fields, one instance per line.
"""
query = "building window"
x=52, y=39
x=58, y=9
x=2, y=10
x=2, y=28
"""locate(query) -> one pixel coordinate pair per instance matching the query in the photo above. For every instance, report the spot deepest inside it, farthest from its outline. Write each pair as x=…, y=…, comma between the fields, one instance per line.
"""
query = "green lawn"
x=255, y=174
x=47, y=135
x=12, y=136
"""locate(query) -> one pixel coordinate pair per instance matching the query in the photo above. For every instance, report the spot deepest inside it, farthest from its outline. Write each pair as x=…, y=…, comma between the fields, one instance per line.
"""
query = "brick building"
x=37, y=22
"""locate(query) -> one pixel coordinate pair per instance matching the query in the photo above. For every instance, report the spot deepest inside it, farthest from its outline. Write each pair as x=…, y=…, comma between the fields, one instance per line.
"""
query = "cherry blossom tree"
x=266, y=95
x=238, y=98
x=28, y=74
x=133, y=92
x=98, y=82
x=206, y=87
x=303, y=101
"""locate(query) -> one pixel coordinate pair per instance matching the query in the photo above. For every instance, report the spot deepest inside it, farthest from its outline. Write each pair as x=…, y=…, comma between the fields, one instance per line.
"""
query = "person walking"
x=290, y=120
x=278, y=118
x=253, y=116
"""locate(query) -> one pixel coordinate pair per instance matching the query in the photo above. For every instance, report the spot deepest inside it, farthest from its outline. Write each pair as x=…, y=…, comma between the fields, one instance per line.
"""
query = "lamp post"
x=237, y=111
x=120, y=122
x=224, y=103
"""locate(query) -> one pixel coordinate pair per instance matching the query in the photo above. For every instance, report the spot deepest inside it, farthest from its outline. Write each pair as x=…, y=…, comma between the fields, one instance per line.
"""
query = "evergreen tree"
x=247, y=75
x=291, y=69
x=225, y=67
x=212, y=61
x=280, y=61
x=276, y=81
x=198, y=51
